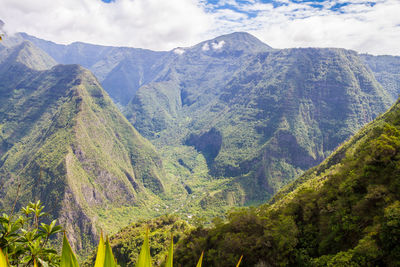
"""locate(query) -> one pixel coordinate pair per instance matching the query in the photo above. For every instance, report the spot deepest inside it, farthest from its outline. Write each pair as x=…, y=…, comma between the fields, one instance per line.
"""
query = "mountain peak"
x=240, y=35
x=236, y=41
x=29, y=55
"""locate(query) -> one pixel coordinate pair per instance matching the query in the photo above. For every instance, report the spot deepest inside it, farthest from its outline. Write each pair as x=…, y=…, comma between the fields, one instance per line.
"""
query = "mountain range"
x=228, y=122
x=274, y=115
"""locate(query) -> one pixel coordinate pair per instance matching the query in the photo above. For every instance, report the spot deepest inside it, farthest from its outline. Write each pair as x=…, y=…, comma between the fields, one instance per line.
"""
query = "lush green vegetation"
x=127, y=242
x=233, y=126
x=26, y=241
x=387, y=72
x=273, y=110
x=23, y=241
x=258, y=119
x=345, y=212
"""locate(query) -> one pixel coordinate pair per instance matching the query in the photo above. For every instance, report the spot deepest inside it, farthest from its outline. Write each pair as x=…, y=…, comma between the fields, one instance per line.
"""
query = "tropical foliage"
x=25, y=239
x=31, y=247
x=345, y=212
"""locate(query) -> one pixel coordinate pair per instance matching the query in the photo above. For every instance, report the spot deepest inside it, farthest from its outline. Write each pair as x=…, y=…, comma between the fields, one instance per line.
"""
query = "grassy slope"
x=120, y=175
x=344, y=212
x=66, y=143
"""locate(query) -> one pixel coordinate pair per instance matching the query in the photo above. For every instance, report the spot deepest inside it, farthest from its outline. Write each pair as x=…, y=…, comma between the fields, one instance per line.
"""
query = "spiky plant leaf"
x=3, y=259
x=101, y=252
x=240, y=260
x=170, y=257
x=68, y=258
x=144, y=256
x=200, y=260
x=109, y=260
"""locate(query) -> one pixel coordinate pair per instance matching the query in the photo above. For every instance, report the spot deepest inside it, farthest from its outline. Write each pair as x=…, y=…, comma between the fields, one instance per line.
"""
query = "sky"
x=365, y=26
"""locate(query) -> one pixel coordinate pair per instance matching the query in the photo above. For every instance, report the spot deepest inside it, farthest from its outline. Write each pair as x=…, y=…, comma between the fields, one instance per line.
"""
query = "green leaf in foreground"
x=3, y=259
x=109, y=260
x=101, y=253
x=144, y=256
x=68, y=258
x=170, y=257
x=200, y=260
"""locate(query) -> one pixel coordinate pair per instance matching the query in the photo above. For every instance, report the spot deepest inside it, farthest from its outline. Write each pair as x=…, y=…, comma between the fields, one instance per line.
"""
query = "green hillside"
x=63, y=141
x=344, y=212
x=234, y=119
x=387, y=72
x=251, y=121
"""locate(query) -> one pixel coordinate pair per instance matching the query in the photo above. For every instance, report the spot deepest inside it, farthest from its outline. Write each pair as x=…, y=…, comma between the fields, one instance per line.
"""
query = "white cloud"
x=205, y=47
x=359, y=26
x=219, y=45
x=179, y=51
x=154, y=24
x=373, y=30
x=163, y=25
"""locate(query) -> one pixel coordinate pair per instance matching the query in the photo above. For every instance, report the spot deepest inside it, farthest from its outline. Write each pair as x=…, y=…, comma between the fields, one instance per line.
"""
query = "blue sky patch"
x=237, y=5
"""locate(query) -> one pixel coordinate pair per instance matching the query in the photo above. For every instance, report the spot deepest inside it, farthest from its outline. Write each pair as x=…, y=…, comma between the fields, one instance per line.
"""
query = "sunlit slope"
x=63, y=141
x=344, y=212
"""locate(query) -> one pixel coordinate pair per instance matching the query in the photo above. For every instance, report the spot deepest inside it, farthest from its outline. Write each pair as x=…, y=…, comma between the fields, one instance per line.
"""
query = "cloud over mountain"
x=366, y=26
